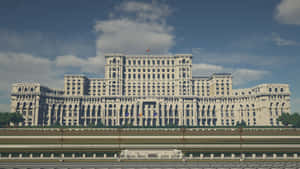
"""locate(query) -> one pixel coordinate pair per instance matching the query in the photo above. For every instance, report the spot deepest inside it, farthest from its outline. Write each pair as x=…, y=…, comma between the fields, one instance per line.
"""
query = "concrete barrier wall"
x=116, y=156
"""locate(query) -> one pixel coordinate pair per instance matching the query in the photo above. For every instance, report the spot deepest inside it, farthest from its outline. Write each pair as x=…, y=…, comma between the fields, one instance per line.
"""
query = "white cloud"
x=244, y=76
x=205, y=69
x=127, y=34
x=21, y=67
x=288, y=12
x=241, y=76
x=85, y=65
x=279, y=41
x=69, y=61
x=18, y=67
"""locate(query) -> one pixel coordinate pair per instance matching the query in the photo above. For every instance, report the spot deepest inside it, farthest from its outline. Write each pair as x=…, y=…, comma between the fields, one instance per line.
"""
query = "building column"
x=85, y=114
x=49, y=115
x=61, y=114
x=96, y=113
x=163, y=114
x=141, y=112
x=180, y=112
x=78, y=114
x=35, y=111
x=102, y=113
x=195, y=112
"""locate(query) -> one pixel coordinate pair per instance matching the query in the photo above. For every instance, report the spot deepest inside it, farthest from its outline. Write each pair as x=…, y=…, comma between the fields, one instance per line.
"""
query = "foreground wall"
x=115, y=144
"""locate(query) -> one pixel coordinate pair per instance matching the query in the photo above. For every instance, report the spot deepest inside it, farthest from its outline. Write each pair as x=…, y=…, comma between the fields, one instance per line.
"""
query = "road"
x=155, y=165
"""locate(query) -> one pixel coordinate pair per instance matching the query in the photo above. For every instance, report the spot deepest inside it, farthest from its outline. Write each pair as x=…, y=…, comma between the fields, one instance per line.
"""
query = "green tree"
x=290, y=119
x=241, y=124
x=285, y=118
x=100, y=124
x=56, y=124
x=6, y=118
x=16, y=118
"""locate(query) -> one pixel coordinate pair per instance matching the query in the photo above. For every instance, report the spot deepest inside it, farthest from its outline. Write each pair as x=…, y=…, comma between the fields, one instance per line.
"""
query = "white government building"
x=148, y=90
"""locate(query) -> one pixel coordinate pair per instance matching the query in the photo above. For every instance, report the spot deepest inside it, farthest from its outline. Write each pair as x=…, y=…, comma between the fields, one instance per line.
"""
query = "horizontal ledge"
x=145, y=146
x=148, y=137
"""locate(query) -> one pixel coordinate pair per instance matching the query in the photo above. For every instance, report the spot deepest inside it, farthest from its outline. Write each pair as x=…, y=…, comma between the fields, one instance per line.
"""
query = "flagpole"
x=148, y=50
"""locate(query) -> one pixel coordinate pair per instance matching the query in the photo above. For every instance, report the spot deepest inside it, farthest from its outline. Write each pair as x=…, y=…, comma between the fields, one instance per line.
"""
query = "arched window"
x=82, y=111
x=24, y=105
x=99, y=111
x=93, y=111
x=132, y=110
x=88, y=111
x=170, y=111
x=214, y=111
x=187, y=110
x=208, y=110
x=121, y=110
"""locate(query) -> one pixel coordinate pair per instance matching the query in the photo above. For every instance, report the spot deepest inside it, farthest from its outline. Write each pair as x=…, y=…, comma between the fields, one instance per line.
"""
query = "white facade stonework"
x=147, y=90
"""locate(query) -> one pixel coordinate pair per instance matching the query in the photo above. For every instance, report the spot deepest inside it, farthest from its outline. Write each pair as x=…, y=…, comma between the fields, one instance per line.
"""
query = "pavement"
x=152, y=165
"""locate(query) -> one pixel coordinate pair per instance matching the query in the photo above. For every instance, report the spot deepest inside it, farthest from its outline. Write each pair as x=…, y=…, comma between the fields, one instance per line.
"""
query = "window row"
x=150, y=62
x=149, y=70
x=139, y=76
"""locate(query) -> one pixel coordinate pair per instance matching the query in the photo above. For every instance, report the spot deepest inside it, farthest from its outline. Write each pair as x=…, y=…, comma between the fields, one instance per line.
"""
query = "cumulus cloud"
x=140, y=26
x=85, y=65
x=19, y=67
x=241, y=76
x=244, y=76
x=279, y=41
x=287, y=12
x=205, y=69
x=22, y=67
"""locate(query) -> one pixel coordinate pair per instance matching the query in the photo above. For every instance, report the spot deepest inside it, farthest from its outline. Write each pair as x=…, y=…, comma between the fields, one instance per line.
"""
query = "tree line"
x=6, y=118
x=292, y=120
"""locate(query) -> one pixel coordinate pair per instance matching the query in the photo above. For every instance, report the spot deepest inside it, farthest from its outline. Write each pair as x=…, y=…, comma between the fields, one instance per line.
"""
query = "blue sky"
x=258, y=41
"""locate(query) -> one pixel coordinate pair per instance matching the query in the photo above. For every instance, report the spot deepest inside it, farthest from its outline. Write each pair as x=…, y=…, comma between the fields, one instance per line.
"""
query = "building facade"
x=147, y=90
